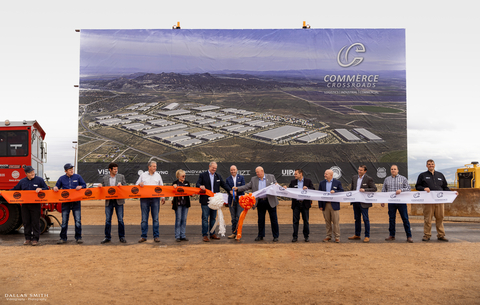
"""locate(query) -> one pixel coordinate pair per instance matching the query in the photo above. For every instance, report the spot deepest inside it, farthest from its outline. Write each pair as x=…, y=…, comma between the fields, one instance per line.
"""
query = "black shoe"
x=294, y=240
x=79, y=241
x=123, y=240
x=259, y=238
x=61, y=241
x=104, y=241
x=307, y=240
x=178, y=240
x=184, y=239
x=275, y=240
x=443, y=238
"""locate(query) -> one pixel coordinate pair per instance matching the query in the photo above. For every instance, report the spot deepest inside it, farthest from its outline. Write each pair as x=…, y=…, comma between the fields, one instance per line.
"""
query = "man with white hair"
x=150, y=177
x=268, y=203
x=331, y=210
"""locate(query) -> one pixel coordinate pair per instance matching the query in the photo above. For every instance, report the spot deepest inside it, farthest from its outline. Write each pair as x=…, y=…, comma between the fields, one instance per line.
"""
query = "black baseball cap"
x=28, y=169
x=68, y=166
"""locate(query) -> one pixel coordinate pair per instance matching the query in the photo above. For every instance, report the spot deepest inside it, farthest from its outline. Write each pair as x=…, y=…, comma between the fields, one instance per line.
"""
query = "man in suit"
x=264, y=204
x=235, y=180
x=212, y=181
x=331, y=210
x=301, y=206
x=113, y=179
x=363, y=183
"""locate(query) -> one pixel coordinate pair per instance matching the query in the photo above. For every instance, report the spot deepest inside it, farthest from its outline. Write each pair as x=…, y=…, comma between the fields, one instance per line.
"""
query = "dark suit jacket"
x=204, y=179
x=337, y=187
x=304, y=203
x=118, y=178
x=175, y=199
x=367, y=184
x=240, y=182
x=253, y=185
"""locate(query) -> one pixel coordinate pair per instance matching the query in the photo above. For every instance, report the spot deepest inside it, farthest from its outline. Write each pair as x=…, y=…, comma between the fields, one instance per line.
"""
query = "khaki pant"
x=332, y=216
x=430, y=210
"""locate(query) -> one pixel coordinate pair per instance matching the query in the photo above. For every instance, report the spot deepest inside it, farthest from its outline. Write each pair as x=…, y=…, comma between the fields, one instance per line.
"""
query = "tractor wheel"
x=10, y=217
x=43, y=225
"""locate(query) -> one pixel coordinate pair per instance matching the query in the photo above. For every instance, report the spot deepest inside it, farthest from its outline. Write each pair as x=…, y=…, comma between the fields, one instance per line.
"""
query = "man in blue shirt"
x=31, y=211
x=235, y=180
x=70, y=181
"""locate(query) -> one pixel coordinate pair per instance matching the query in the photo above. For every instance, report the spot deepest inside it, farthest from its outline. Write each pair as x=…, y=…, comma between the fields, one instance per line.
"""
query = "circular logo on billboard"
x=15, y=174
x=88, y=192
x=158, y=190
x=135, y=190
x=111, y=191
x=17, y=195
x=440, y=195
x=180, y=190
x=416, y=195
x=381, y=172
x=370, y=195
x=65, y=194
x=41, y=195
x=337, y=172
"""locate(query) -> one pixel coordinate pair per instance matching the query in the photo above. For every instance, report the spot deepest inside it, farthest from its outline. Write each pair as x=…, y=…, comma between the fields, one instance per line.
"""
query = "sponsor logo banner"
x=434, y=197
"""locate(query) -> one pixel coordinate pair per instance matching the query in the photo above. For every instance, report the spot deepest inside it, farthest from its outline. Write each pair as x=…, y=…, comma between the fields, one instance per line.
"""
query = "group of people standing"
x=235, y=185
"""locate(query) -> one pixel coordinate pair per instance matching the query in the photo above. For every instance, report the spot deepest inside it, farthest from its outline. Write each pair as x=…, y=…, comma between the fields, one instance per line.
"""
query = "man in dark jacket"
x=363, y=183
x=301, y=206
x=31, y=211
x=212, y=181
x=234, y=180
x=331, y=210
x=432, y=180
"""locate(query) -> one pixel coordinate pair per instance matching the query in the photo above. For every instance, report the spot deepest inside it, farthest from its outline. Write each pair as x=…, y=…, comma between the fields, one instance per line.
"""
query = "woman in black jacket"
x=180, y=205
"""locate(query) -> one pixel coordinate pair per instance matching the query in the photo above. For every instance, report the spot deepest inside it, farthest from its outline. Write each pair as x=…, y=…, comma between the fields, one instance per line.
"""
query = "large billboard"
x=281, y=99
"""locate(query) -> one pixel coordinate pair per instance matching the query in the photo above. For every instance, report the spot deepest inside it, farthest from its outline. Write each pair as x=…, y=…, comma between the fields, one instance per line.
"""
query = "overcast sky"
x=40, y=53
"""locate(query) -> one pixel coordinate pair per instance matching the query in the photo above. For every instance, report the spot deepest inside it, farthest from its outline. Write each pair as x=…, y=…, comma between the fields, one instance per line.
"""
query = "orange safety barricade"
x=99, y=193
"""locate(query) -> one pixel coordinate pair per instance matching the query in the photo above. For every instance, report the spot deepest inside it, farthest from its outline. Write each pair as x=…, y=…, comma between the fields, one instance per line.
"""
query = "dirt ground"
x=240, y=273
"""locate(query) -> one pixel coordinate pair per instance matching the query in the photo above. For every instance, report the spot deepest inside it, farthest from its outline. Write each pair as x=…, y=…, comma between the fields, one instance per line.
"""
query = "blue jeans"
x=180, y=221
x=108, y=222
x=207, y=224
x=76, y=211
x=235, y=211
x=392, y=213
x=359, y=212
x=147, y=205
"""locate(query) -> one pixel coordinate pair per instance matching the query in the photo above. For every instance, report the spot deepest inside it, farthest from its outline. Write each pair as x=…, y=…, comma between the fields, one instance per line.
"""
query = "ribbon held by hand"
x=246, y=202
x=216, y=203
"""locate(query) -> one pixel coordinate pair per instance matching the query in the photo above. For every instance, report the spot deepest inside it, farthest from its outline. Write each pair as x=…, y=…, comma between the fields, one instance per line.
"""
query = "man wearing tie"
x=363, y=183
x=331, y=210
x=212, y=181
x=263, y=204
x=301, y=206
x=235, y=180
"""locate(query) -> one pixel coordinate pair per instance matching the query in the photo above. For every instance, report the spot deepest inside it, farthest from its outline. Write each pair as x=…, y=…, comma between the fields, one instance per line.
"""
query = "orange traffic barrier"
x=99, y=193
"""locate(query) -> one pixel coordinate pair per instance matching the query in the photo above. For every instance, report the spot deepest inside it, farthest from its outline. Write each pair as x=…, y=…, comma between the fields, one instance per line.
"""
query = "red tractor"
x=21, y=144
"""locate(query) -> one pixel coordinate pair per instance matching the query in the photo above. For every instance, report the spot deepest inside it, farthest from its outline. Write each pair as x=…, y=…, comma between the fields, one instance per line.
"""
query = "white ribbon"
x=216, y=203
x=415, y=197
